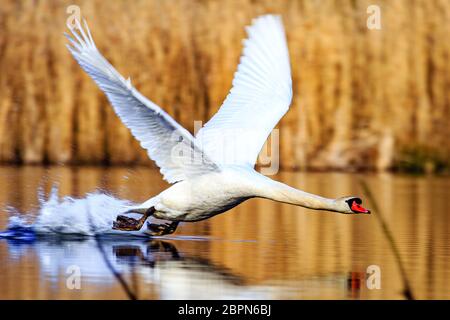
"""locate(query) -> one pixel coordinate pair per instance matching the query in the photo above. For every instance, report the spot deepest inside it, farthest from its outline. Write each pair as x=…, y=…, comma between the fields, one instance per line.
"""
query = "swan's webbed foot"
x=128, y=224
x=125, y=223
x=161, y=229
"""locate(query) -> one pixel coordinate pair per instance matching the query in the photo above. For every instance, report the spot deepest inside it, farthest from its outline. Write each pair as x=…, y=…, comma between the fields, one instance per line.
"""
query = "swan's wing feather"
x=261, y=95
x=171, y=146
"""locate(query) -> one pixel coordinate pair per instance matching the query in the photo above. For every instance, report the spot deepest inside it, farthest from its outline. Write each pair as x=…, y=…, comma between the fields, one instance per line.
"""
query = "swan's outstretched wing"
x=171, y=146
x=261, y=95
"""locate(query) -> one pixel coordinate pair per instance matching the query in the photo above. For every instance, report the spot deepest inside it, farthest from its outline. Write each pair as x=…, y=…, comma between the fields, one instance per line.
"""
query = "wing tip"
x=80, y=37
x=269, y=18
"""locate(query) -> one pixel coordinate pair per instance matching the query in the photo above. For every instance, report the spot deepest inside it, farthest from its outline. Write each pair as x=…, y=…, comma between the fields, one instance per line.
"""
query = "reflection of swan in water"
x=208, y=176
x=184, y=278
x=174, y=274
x=179, y=276
x=159, y=266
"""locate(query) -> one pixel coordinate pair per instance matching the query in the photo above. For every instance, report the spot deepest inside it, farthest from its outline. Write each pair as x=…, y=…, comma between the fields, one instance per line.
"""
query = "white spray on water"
x=93, y=214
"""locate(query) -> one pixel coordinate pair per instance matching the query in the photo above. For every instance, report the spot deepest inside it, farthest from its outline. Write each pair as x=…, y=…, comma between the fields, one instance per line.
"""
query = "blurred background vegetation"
x=363, y=99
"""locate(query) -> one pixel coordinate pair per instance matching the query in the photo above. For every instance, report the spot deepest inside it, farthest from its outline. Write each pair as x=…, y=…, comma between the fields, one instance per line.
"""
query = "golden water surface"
x=260, y=249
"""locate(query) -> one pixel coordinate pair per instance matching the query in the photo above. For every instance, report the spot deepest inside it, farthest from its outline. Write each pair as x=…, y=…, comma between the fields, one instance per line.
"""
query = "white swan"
x=204, y=182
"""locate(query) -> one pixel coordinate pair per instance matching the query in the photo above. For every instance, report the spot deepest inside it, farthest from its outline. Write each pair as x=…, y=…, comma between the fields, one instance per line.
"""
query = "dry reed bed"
x=361, y=97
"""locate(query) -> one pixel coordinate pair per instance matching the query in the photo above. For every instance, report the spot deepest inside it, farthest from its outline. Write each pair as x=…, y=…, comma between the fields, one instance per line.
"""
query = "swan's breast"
x=202, y=197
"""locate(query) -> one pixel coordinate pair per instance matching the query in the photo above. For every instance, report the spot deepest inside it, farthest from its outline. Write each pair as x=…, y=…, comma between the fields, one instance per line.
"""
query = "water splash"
x=93, y=214
x=18, y=230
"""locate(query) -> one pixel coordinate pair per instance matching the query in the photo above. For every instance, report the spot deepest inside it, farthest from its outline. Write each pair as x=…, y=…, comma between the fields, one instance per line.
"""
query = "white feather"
x=261, y=95
x=171, y=146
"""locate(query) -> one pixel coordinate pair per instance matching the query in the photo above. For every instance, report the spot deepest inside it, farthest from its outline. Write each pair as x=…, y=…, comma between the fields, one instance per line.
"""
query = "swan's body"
x=204, y=196
x=214, y=171
x=210, y=194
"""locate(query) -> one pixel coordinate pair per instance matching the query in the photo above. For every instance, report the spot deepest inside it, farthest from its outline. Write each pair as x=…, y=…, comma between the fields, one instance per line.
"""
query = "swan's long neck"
x=283, y=193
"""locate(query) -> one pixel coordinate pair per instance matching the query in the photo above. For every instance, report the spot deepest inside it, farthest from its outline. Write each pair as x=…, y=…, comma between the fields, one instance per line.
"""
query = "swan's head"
x=351, y=205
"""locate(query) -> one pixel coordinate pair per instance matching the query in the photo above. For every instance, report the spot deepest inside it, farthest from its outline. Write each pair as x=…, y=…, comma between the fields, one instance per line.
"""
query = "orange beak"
x=358, y=208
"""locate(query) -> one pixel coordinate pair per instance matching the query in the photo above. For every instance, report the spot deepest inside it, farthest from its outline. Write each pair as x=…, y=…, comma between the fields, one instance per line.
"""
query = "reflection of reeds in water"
x=361, y=97
x=287, y=243
x=407, y=292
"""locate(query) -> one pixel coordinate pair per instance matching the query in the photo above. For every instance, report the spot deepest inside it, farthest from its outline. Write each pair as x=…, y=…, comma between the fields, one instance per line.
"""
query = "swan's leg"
x=129, y=224
x=161, y=229
x=136, y=210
